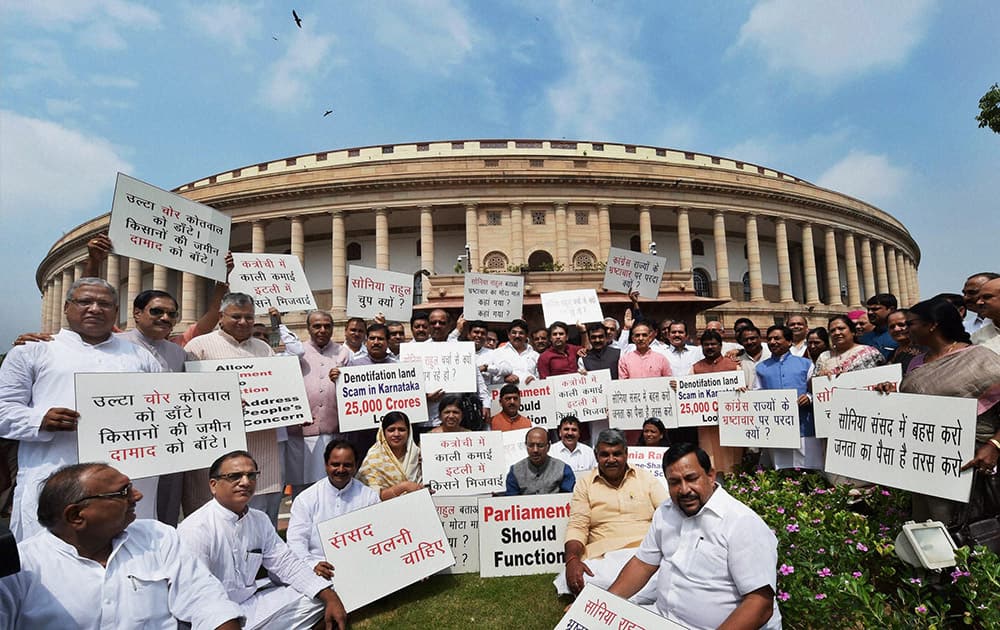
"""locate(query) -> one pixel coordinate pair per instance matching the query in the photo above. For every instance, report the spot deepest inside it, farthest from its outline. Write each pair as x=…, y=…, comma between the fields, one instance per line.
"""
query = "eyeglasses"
x=87, y=303
x=160, y=312
x=124, y=493
x=240, y=318
x=235, y=477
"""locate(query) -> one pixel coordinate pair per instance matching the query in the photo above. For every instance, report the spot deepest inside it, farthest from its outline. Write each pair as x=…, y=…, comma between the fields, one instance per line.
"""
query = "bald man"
x=538, y=473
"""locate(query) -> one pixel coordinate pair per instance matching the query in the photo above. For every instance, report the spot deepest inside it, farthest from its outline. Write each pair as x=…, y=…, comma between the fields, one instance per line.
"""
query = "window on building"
x=418, y=248
x=492, y=217
x=584, y=260
x=635, y=243
x=538, y=217
x=540, y=261
x=495, y=261
x=354, y=251
x=702, y=283
x=582, y=217
x=697, y=247
x=745, y=256
x=746, y=287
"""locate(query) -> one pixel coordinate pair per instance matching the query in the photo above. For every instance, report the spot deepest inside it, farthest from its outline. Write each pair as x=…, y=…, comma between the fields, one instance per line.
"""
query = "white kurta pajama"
x=321, y=502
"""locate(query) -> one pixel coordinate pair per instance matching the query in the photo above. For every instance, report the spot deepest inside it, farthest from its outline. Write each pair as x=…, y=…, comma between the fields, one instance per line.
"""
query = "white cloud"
x=287, y=82
x=791, y=155
x=434, y=35
x=59, y=108
x=107, y=81
x=51, y=171
x=835, y=40
x=97, y=23
x=232, y=24
x=866, y=176
x=37, y=61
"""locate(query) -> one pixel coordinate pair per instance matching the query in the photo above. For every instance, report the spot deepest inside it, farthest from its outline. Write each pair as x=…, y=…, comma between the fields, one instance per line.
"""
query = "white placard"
x=537, y=403
x=492, y=297
x=151, y=224
x=823, y=386
x=763, y=418
x=382, y=548
x=523, y=535
x=153, y=424
x=650, y=459
x=272, y=280
x=373, y=291
x=463, y=463
x=570, y=307
x=581, y=395
x=448, y=365
x=907, y=441
x=697, y=396
x=460, y=519
x=514, y=448
x=271, y=388
x=597, y=609
x=365, y=393
x=629, y=272
x=632, y=400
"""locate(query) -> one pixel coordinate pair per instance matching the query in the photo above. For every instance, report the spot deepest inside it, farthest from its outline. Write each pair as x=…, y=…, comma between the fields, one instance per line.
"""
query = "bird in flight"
x=298, y=20
x=327, y=113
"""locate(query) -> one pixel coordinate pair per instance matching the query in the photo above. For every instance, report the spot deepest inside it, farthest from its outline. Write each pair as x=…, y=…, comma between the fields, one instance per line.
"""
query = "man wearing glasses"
x=37, y=393
x=235, y=541
x=97, y=567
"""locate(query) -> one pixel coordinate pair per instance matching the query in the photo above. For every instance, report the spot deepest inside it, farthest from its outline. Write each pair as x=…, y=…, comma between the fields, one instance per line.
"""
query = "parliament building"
x=739, y=239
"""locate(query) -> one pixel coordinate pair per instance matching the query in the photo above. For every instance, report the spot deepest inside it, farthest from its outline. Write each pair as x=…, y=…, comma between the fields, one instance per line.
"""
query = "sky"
x=873, y=99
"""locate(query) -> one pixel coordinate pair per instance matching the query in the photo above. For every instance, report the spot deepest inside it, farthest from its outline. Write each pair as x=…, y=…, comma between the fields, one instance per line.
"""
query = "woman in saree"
x=845, y=354
x=392, y=465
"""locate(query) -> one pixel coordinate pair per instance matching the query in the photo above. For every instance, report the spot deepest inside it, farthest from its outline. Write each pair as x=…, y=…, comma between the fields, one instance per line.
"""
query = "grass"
x=526, y=602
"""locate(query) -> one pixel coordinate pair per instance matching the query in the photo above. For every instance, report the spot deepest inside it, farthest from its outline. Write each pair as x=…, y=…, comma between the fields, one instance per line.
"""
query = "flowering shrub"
x=837, y=567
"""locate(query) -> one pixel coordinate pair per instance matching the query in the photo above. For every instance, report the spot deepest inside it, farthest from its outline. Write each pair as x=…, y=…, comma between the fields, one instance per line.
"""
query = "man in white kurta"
x=37, y=394
x=569, y=449
x=337, y=494
x=235, y=541
x=95, y=570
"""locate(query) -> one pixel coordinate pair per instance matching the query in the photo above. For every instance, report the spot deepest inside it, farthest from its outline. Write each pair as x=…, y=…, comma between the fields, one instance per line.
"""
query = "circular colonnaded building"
x=739, y=239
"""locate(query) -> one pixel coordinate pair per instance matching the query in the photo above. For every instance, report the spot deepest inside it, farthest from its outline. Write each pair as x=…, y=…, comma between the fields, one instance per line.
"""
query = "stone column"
x=58, y=300
x=562, y=241
x=189, y=299
x=113, y=272
x=200, y=299
x=684, y=239
x=916, y=282
x=381, y=238
x=67, y=280
x=894, y=288
x=645, y=229
x=832, y=269
x=753, y=259
x=46, y=307
x=851, y=268
x=77, y=271
x=426, y=239
x=517, y=234
x=298, y=238
x=904, y=284
x=809, y=265
x=472, y=235
x=338, y=261
x=721, y=256
x=881, y=274
x=160, y=278
x=867, y=271
x=784, y=262
x=134, y=279
x=604, y=231
x=258, y=238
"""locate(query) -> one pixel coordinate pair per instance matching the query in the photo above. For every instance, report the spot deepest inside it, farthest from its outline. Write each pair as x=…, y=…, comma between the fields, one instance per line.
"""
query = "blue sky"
x=874, y=99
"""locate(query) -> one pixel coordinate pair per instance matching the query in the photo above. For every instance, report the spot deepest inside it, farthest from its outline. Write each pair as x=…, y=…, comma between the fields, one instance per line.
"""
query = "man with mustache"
x=610, y=512
x=717, y=556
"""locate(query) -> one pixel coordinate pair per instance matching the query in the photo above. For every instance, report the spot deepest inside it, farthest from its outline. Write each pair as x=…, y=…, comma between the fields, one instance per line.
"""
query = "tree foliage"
x=989, y=109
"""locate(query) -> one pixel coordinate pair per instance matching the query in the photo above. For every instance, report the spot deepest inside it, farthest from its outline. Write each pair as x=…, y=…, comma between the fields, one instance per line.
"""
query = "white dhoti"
x=606, y=570
x=281, y=607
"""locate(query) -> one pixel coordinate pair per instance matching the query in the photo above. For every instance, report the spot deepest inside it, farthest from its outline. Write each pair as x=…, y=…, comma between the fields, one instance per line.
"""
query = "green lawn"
x=458, y=601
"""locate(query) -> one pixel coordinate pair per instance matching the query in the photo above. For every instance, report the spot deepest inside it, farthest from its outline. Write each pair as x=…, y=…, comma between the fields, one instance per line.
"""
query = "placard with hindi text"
x=631, y=401
x=581, y=395
x=373, y=291
x=463, y=462
x=493, y=297
x=634, y=272
x=823, y=386
x=570, y=307
x=448, y=365
x=272, y=280
x=762, y=418
x=460, y=520
x=597, y=609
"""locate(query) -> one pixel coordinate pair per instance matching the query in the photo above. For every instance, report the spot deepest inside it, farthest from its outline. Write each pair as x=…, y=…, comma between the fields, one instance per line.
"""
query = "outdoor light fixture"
x=652, y=248
x=927, y=545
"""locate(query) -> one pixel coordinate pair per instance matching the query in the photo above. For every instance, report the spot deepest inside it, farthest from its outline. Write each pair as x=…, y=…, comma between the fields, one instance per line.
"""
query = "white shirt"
x=800, y=349
x=483, y=392
x=36, y=377
x=709, y=561
x=521, y=364
x=974, y=321
x=495, y=372
x=580, y=459
x=321, y=502
x=988, y=336
x=682, y=360
x=148, y=582
x=234, y=548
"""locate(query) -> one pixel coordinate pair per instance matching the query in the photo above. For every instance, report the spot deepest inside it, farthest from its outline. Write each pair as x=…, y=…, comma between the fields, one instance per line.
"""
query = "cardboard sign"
x=272, y=280
x=631, y=401
x=448, y=365
x=373, y=291
x=522, y=535
x=697, y=396
x=157, y=226
x=907, y=441
x=382, y=548
x=463, y=463
x=650, y=459
x=763, y=418
x=630, y=272
x=271, y=388
x=493, y=297
x=823, y=386
x=597, y=609
x=581, y=395
x=537, y=403
x=154, y=424
x=578, y=305
x=365, y=393
x=460, y=519
x=514, y=448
